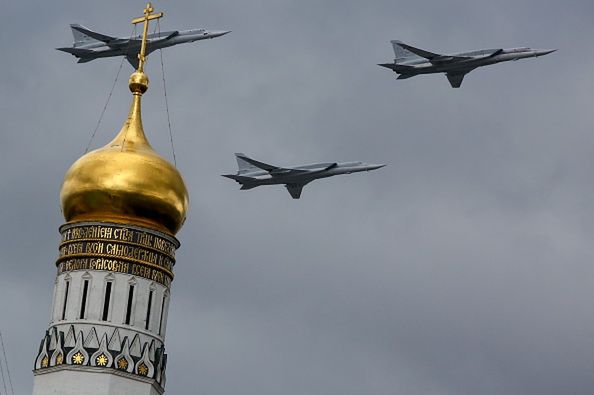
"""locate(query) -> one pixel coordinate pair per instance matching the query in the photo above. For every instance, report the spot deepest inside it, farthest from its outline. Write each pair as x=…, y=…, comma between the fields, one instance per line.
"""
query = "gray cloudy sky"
x=464, y=267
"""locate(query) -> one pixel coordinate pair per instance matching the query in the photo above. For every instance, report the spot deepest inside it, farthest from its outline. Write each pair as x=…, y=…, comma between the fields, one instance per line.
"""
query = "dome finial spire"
x=148, y=15
x=138, y=82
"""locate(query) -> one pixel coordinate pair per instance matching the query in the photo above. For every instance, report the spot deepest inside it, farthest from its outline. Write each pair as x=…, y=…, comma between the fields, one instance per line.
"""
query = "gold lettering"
x=145, y=239
x=94, y=248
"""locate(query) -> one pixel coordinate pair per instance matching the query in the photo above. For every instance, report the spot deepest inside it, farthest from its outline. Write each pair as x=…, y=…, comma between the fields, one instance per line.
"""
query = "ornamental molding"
x=128, y=355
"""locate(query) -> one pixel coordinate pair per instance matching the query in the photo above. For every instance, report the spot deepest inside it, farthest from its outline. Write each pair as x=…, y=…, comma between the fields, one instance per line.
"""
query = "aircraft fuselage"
x=316, y=171
x=155, y=41
x=424, y=66
x=95, y=45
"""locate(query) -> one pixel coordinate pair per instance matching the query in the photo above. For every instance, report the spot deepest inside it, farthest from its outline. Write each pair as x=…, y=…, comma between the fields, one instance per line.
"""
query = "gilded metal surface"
x=126, y=181
x=148, y=15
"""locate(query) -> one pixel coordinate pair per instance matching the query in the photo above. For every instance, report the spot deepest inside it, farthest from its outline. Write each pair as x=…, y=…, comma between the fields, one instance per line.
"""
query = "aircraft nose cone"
x=375, y=167
x=219, y=33
x=542, y=52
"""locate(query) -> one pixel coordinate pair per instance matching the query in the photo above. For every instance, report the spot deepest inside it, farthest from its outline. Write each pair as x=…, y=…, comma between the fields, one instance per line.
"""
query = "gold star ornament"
x=123, y=363
x=78, y=358
x=142, y=369
x=102, y=360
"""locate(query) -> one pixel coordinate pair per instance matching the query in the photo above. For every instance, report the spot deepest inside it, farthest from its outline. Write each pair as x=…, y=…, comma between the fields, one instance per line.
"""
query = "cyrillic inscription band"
x=132, y=236
x=117, y=248
x=115, y=265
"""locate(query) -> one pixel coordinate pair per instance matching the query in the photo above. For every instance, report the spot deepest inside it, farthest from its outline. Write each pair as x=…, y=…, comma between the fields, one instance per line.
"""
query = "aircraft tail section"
x=83, y=55
x=401, y=53
x=247, y=164
x=245, y=182
x=81, y=38
x=244, y=166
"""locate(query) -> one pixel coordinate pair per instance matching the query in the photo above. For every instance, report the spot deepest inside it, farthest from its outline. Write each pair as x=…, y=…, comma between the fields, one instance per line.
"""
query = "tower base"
x=62, y=381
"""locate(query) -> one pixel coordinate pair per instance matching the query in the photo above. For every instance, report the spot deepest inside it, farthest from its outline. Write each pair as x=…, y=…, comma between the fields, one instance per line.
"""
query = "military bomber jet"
x=252, y=173
x=411, y=61
x=89, y=45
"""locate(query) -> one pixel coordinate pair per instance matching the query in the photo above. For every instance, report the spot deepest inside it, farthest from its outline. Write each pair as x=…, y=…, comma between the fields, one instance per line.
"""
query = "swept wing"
x=494, y=53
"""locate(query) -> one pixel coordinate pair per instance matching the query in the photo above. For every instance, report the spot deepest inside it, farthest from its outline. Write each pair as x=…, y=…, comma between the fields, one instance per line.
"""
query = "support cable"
x=110, y=93
x=6, y=363
x=167, y=102
x=3, y=379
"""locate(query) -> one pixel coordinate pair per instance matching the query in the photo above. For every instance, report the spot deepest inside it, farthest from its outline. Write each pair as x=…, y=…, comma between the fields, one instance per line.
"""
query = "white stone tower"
x=123, y=205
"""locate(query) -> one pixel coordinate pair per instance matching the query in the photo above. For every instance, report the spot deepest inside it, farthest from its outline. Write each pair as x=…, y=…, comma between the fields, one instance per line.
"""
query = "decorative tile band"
x=131, y=356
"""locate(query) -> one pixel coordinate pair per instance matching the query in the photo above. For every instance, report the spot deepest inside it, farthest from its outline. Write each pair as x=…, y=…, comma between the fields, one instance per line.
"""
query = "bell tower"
x=123, y=205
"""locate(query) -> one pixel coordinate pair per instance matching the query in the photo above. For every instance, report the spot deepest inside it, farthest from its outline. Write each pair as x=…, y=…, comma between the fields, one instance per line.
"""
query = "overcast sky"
x=466, y=266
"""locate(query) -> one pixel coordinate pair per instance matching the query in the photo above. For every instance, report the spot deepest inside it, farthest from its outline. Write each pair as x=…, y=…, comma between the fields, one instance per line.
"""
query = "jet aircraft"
x=89, y=45
x=253, y=173
x=411, y=61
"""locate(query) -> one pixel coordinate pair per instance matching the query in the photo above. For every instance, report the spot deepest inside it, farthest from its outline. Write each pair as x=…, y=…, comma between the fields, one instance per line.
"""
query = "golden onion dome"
x=126, y=181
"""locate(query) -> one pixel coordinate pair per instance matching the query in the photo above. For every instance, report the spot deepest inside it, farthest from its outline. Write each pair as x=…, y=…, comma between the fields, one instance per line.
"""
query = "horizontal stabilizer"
x=78, y=52
x=405, y=76
x=390, y=66
x=239, y=179
x=245, y=182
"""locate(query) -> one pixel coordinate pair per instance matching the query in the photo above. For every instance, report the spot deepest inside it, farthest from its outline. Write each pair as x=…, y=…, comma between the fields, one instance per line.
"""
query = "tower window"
x=148, y=310
x=83, y=304
x=162, y=315
x=106, y=301
x=65, y=300
x=129, y=306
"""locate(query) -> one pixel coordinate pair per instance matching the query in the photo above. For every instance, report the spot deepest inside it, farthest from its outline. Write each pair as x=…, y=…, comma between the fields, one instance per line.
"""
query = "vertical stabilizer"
x=402, y=54
x=244, y=166
x=81, y=38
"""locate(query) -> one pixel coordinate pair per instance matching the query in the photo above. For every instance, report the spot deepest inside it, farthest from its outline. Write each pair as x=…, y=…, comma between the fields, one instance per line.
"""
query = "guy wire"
x=6, y=363
x=3, y=379
x=110, y=93
x=167, y=102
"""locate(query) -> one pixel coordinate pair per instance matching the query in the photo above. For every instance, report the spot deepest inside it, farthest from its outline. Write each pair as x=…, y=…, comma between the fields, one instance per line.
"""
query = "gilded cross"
x=148, y=15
